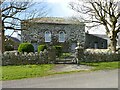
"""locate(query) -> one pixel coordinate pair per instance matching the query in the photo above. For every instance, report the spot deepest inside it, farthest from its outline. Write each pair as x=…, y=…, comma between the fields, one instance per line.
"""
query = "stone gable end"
x=72, y=32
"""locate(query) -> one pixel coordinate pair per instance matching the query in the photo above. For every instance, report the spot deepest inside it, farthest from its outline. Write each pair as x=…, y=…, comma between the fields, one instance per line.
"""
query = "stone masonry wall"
x=36, y=33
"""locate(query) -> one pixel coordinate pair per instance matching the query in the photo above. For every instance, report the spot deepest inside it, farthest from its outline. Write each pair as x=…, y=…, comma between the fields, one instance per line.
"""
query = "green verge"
x=25, y=71
x=31, y=71
x=103, y=65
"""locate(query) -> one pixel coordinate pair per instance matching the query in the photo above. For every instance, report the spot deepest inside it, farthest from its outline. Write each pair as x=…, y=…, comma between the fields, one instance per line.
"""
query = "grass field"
x=25, y=71
x=30, y=71
x=103, y=65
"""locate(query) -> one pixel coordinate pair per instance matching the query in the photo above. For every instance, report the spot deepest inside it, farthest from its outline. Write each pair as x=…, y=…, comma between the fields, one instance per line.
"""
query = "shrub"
x=41, y=48
x=9, y=47
x=25, y=47
x=58, y=50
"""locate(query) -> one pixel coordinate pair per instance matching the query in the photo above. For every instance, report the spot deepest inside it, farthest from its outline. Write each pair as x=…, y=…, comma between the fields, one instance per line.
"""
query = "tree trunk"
x=113, y=43
x=3, y=40
x=1, y=34
x=1, y=37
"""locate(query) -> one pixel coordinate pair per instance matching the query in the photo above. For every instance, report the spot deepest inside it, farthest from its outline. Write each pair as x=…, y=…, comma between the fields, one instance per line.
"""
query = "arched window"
x=61, y=36
x=47, y=36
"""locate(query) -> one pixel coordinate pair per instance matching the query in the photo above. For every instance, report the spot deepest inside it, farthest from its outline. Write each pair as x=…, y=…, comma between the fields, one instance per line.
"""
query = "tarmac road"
x=96, y=79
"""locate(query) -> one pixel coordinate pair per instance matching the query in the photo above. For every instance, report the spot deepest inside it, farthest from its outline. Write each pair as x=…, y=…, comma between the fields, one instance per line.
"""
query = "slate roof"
x=56, y=20
x=13, y=38
x=104, y=36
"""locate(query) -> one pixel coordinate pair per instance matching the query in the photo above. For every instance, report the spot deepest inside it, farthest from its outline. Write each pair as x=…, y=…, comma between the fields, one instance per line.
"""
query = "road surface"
x=96, y=79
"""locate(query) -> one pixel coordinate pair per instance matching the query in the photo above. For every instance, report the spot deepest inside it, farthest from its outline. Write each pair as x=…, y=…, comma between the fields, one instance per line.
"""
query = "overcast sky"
x=60, y=8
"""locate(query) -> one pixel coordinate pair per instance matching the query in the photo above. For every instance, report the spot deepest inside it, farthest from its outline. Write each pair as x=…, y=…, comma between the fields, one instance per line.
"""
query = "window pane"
x=61, y=36
x=47, y=36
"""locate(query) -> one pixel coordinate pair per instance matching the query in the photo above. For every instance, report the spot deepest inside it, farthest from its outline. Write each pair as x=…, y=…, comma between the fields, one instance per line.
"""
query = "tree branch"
x=5, y=16
x=12, y=28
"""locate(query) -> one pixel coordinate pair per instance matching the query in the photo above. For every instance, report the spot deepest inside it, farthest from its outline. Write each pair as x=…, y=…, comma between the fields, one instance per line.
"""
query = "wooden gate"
x=65, y=58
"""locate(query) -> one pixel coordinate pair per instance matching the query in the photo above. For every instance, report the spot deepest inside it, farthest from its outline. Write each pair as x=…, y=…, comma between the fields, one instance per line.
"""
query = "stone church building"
x=55, y=31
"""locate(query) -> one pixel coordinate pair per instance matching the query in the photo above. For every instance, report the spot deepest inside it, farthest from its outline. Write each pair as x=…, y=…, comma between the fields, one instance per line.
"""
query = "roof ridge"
x=58, y=20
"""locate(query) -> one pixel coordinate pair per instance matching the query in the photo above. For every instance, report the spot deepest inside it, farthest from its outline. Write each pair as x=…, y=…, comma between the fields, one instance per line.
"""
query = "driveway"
x=97, y=79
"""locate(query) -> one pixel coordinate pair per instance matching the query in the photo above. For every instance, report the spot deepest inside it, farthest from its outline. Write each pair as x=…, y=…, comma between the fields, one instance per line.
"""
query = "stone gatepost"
x=79, y=53
x=51, y=54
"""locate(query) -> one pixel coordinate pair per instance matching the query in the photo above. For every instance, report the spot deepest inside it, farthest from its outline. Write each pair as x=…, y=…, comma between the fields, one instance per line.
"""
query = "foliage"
x=9, y=44
x=9, y=47
x=25, y=47
x=41, y=48
x=65, y=55
x=58, y=50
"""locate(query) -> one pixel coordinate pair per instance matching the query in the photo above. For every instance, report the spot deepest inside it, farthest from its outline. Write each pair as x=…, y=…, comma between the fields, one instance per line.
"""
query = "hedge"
x=9, y=47
x=25, y=47
x=41, y=48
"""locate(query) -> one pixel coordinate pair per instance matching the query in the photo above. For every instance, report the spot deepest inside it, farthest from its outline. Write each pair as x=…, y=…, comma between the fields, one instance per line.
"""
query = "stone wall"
x=15, y=58
x=36, y=33
x=100, y=55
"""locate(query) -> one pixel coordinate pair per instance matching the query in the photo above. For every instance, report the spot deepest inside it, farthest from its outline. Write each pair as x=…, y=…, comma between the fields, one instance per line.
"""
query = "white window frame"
x=62, y=36
x=47, y=36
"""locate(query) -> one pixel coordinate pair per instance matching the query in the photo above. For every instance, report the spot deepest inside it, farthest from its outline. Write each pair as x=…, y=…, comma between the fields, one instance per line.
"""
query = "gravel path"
x=70, y=67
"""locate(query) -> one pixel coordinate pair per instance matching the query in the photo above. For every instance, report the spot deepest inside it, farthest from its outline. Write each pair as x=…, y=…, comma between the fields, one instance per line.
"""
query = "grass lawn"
x=103, y=65
x=25, y=71
x=29, y=71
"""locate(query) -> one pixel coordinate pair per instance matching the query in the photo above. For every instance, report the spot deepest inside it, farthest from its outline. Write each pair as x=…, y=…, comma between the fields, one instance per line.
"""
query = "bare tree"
x=12, y=14
x=101, y=12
